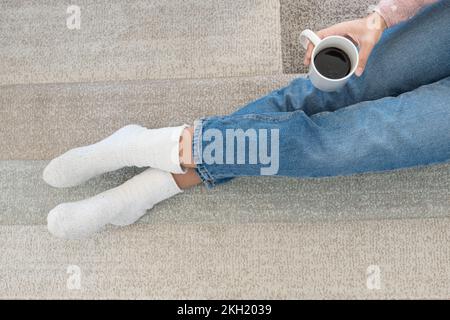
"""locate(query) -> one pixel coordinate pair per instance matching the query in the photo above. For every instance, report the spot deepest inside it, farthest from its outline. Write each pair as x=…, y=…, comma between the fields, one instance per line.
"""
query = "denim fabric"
x=396, y=115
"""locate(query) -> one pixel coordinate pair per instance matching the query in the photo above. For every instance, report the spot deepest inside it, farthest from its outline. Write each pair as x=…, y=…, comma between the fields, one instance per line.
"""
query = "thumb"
x=364, y=54
x=307, y=59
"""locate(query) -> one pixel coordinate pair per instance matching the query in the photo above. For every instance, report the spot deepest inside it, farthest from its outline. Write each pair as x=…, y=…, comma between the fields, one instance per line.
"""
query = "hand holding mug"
x=364, y=32
x=334, y=60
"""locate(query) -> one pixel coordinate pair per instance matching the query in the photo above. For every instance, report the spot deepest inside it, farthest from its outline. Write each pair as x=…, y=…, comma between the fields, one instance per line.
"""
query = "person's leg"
x=369, y=136
x=422, y=40
x=390, y=133
x=411, y=54
x=401, y=61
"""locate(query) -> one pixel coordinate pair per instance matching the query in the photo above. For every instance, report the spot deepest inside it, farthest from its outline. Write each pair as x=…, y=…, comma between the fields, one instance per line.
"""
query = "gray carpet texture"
x=297, y=15
x=371, y=260
x=412, y=193
x=42, y=121
x=167, y=62
x=123, y=40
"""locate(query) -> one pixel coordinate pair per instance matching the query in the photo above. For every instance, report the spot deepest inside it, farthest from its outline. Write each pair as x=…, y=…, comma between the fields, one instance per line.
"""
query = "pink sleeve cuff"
x=395, y=11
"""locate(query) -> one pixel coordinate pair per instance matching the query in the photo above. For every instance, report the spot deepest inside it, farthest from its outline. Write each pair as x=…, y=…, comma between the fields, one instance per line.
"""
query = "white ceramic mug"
x=318, y=80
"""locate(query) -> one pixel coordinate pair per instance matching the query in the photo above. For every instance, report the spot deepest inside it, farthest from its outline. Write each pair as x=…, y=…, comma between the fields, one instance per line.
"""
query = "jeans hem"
x=201, y=169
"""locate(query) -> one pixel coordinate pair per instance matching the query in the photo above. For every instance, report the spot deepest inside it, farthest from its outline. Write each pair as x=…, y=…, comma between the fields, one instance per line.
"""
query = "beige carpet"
x=378, y=259
x=157, y=63
x=414, y=193
x=123, y=40
x=42, y=121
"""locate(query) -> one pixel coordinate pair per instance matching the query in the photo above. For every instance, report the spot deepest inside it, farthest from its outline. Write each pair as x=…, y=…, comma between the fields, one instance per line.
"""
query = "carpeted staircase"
x=166, y=62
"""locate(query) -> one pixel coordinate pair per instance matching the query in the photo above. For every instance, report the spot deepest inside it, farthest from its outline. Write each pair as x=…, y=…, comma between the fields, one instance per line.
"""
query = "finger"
x=308, y=54
x=364, y=54
x=340, y=29
x=344, y=29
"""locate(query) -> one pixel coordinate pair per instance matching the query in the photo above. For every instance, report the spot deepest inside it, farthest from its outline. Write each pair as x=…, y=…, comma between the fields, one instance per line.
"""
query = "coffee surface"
x=332, y=63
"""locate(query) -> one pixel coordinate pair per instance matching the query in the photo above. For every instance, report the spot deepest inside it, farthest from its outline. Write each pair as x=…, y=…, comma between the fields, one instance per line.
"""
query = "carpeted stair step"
x=42, y=121
x=376, y=259
x=25, y=199
x=131, y=40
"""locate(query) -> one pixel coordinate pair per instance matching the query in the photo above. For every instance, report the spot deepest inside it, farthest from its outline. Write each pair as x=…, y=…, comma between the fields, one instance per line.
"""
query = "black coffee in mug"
x=333, y=63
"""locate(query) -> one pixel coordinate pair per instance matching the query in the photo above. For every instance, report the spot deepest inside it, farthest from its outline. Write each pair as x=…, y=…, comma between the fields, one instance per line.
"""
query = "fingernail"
x=359, y=72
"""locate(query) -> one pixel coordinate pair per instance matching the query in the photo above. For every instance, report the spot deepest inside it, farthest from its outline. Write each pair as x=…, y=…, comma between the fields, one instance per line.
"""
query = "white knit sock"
x=132, y=145
x=122, y=205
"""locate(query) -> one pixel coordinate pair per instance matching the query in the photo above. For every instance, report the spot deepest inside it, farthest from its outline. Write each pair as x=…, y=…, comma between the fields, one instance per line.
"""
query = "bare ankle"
x=186, y=156
x=187, y=180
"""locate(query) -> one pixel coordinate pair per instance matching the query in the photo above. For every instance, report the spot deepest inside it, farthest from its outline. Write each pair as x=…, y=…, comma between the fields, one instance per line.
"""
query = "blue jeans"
x=396, y=115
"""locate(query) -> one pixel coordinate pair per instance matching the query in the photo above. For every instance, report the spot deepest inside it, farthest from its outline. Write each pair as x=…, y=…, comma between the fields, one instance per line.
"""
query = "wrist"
x=376, y=21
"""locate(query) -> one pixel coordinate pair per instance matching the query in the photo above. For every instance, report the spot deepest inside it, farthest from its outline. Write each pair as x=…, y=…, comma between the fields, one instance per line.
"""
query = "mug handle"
x=309, y=35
